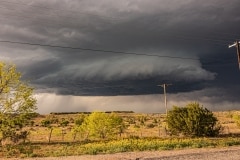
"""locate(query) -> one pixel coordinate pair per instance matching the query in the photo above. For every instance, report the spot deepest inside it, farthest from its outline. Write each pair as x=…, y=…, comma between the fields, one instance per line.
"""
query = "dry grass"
x=144, y=131
x=153, y=126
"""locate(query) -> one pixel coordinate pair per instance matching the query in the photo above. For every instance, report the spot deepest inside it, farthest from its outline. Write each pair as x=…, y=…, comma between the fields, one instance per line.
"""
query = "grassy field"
x=143, y=132
x=154, y=126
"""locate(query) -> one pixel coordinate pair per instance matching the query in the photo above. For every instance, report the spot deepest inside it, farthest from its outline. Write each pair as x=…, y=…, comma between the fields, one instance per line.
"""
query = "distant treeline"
x=60, y=113
x=119, y=112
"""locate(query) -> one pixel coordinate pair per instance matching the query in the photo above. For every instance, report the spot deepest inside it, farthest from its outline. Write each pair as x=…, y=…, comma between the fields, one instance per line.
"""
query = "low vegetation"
x=193, y=120
x=78, y=134
x=113, y=146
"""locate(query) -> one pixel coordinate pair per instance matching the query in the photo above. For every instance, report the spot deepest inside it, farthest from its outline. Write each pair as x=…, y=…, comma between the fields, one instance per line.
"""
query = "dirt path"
x=230, y=153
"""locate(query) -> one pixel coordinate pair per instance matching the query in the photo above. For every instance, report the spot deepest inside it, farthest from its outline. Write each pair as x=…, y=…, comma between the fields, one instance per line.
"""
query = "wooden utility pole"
x=236, y=44
x=165, y=94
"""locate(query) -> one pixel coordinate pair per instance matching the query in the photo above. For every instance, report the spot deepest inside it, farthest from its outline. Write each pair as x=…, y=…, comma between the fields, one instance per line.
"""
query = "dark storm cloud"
x=41, y=68
x=200, y=30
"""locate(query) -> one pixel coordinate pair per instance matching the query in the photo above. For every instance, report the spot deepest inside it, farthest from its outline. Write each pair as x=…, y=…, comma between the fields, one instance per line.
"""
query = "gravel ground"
x=230, y=153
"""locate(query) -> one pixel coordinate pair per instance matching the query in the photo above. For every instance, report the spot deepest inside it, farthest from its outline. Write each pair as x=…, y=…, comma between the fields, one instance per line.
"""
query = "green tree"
x=192, y=120
x=118, y=124
x=78, y=127
x=64, y=122
x=102, y=125
x=236, y=119
x=17, y=103
x=47, y=122
x=79, y=120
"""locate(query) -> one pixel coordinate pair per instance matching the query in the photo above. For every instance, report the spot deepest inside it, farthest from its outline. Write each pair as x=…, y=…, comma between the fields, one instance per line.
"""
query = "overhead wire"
x=186, y=38
x=54, y=9
x=175, y=35
x=81, y=12
x=109, y=51
x=96, y=50
x=221, y=42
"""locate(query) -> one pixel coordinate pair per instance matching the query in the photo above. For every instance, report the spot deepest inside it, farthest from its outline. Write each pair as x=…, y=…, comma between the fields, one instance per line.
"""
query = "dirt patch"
x=229, y=153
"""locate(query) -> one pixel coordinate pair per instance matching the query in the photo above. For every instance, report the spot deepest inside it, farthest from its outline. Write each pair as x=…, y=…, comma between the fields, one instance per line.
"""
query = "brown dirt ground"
x=228, y=153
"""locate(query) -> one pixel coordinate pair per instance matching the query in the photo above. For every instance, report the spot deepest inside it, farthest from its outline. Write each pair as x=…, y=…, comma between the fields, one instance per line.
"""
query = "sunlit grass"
x=114, y=146
x=133, y=145
x=133, y=139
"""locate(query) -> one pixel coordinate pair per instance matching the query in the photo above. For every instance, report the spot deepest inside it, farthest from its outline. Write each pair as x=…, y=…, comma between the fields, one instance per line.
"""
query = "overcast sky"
x=86, y=55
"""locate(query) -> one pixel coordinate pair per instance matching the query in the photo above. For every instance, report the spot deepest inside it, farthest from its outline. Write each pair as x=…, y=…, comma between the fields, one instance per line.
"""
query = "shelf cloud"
x=82, y=51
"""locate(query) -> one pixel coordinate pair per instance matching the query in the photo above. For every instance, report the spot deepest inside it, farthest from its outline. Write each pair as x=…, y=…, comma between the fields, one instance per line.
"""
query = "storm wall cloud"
x=76, y=49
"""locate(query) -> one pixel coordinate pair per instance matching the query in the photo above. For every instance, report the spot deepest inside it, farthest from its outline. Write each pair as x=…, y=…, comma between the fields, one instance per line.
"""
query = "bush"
x=151, y=125
x=103, y=125
x=236, y=119
x=64, y=123
x=192, y=120
x=45, y=123
x=79, y=120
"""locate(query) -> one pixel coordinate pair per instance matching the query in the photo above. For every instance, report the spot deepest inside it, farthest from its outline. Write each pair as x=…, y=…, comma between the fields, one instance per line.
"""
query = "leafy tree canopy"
x=192, y=120
x=102, y=125
x=16, y=102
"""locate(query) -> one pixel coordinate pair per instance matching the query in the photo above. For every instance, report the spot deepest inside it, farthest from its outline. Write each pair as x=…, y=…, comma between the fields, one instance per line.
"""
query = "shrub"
x=79, y=120
x=45, y=123
x=64, y=123
x=192, y=120
x=102, y=125
x=151, y=125
x=236, y=119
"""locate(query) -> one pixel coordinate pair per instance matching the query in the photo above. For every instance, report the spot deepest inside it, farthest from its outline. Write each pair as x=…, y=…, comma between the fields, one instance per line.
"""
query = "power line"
x=182, y=37
x=194, y=37
x=97, y=50
x=175, y=36
x=218, y=41
x=118, y=52
x=214, y=39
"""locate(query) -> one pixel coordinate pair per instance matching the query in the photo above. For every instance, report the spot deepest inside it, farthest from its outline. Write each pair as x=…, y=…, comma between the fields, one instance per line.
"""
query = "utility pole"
x=165, y=94
x=236, y=44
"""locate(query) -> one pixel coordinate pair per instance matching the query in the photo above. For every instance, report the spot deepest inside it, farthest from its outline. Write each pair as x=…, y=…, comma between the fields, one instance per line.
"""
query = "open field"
x=144, y=132
x=153, y=126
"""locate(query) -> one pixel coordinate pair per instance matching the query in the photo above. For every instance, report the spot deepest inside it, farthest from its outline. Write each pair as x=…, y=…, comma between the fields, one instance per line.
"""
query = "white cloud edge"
x=50, y=102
